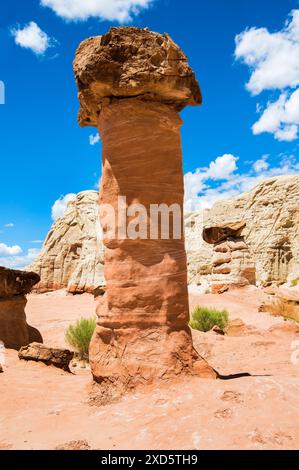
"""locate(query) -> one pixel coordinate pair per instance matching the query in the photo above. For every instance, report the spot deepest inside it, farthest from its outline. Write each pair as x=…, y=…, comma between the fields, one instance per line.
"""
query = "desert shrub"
x=79, y=335
x=205, y=318
x=294, y=282
x=283, y=308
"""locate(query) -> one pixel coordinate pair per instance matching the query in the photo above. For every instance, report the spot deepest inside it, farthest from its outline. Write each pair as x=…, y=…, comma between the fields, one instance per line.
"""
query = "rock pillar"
x=132, y=83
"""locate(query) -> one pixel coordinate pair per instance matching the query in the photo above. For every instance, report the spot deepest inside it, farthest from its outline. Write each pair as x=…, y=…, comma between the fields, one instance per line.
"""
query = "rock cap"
x=132, y=62
x=14, y=282
x=220, y=232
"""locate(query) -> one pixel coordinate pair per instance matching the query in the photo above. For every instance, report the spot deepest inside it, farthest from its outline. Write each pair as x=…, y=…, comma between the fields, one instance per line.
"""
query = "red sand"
x=42, y=407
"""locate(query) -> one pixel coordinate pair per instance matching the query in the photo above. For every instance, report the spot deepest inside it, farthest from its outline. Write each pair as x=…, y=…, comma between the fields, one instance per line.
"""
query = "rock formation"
x=14, y=330
x=232, y=263
x=72, y=254
x=262, y=218
x=132, y=83
x=37, y=352
x=270, y=212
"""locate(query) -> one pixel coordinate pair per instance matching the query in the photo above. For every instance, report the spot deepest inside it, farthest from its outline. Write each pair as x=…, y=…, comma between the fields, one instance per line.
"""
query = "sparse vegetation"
x=205, y=318
x=282, y=308
x=294, y=282
x=79, y=335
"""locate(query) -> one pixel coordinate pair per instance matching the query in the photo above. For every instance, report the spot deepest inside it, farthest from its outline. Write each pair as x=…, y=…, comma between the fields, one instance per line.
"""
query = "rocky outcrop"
x=132, y=62
x=271, y=231
x=14, y=330
x=232, y=263
x=37, y=352
x=269, y=226
x=142, y=333
x=72, y=254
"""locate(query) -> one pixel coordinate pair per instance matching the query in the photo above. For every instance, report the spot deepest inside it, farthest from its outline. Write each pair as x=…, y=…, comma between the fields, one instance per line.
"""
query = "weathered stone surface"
x=14, y=330
x=60, y=358
x=13, y=282
x=221, y=232
x=142, y=333
x=130, y=62
x=72, y=255
x=271, y=214
x=232, y=263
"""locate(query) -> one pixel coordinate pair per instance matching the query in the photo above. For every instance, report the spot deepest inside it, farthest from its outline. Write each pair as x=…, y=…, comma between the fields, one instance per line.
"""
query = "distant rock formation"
x=232, y=263
x=72, y=255
x=270, y=217
x=14, y=330
x=270, y=213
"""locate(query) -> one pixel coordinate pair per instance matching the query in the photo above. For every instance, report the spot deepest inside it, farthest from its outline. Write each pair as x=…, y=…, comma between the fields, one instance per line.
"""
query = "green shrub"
x=79, y=335
x=205, y=318
x=294, y=282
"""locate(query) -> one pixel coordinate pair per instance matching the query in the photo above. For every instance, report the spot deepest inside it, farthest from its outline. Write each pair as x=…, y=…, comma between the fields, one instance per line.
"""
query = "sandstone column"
x=132, y=83
x=14, y=330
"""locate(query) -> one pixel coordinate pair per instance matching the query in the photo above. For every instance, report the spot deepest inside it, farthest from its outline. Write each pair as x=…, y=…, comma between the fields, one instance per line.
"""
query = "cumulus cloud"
x=110, y=10
x=280, y=118
x=273, y=59
x=6, y=250
x=222, y=167
x=60, y=205
x=94, y=139
x=32, y=37
x=200, y=190
x=260, y=165
x=19, y=262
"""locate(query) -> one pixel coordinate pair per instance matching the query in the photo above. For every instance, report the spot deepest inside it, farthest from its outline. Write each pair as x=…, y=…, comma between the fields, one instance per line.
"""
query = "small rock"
x=223, y=289
x=38, y=352
x=217, y=330
x=74, y=445
x=1, y=369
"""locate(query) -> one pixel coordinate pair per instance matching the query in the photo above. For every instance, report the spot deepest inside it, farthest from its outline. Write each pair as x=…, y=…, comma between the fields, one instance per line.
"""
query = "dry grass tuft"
x=280, y=307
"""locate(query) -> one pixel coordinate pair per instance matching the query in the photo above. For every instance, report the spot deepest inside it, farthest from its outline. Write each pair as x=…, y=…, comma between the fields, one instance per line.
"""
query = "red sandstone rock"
x=142, y=333
x=14, y=330
x=60, y=358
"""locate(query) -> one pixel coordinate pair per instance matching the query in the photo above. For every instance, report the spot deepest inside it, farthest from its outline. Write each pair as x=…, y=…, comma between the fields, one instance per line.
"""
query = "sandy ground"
x=42, y=407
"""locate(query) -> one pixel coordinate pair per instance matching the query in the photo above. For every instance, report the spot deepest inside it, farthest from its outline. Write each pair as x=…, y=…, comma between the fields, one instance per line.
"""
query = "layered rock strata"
x=232, y=263
x=14, y=330
x=132, y=82
x=73, y=254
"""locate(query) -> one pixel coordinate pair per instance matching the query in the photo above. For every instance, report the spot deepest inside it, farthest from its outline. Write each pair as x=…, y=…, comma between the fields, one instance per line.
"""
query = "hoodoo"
x=132, y=83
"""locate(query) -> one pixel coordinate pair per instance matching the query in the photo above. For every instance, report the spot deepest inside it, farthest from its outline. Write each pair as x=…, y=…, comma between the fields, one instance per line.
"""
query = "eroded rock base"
x=124, y=359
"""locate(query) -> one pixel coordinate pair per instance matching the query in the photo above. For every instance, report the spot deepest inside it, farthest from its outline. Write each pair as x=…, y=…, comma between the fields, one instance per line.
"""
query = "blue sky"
x=45, y=155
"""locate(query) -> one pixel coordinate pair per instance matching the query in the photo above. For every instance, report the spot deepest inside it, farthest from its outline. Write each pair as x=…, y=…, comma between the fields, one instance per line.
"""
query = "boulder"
x=38, y=352
x=14, y=330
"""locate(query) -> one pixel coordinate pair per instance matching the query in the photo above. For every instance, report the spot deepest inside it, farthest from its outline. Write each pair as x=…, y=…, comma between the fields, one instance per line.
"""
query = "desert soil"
x=42, y=407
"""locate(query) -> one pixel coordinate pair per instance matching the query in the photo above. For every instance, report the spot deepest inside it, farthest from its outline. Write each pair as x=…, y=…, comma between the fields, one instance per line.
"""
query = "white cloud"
x=9, y=225
x=273, y=59
x=111, y=10
x=94, y=139
x=222, y=167
x=60, y=205
x=38, y=242
x=260, y=165
x=19, y=262
x=280, y=118
x=6, y=250
x=32, y=37
x=201, y=193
